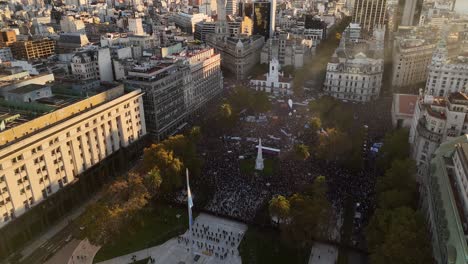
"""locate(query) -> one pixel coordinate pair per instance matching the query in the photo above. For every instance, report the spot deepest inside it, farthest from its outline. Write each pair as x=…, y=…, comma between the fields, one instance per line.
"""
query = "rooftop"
x=27, y=88
x=26, y=118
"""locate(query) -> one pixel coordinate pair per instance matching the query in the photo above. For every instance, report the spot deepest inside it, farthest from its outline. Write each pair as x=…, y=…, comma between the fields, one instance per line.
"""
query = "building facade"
x=437, y=120
x=411, y=58
x=369, y=13
x=444, y=201
x=93, y=64
x=446, y=75
x=238, y=54
x=40, y=157
x=356, y=79
x=288, y=51
x=273, y=81
x=165, y=86
x=33, y=49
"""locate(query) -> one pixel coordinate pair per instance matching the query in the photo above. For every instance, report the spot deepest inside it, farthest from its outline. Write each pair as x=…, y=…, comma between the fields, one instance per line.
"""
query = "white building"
x=93, y=64
x=411, y=58
x=186, y=22
x=437, y=120
x=446, y=75
x=39, y=157
x=355, y=78
x=135, y=25
x=273, y=81
x=69, y=24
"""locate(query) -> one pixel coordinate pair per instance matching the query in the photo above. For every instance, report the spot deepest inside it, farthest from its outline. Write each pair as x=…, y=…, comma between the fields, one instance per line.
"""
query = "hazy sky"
x=461, y=6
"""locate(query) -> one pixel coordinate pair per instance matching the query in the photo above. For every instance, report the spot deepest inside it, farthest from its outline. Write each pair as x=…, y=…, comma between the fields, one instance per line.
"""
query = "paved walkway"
x=56, y=228
x=323, y=254
x=75, y=252
x=215, y=240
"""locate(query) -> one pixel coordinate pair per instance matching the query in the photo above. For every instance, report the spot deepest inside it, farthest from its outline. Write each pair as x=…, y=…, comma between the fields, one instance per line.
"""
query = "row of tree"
x=397, y=232
x=305, y=216
x=161, y=174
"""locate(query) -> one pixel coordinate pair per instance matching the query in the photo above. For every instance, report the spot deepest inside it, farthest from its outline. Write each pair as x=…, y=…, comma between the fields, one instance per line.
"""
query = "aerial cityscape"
x=234, y=131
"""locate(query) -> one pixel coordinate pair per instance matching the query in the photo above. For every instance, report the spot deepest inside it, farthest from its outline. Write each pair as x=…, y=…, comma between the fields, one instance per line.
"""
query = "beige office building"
x=40, y=156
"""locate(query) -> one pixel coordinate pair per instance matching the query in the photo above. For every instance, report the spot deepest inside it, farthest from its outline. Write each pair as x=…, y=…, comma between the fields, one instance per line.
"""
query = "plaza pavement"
x=323, y=254
x=205, y=228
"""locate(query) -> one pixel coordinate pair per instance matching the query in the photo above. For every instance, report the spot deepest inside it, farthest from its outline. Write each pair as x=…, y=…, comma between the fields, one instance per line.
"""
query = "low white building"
x=273, y=81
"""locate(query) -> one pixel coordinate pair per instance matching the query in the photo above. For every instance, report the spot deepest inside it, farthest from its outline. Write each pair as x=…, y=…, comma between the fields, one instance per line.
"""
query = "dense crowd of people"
x=240, y=193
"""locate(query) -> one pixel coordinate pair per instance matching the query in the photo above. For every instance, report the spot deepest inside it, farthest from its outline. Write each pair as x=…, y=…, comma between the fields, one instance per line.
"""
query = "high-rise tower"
x=369, y=13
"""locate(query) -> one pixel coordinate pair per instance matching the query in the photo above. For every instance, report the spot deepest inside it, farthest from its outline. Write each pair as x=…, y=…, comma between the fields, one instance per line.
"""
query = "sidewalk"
x=56, y=228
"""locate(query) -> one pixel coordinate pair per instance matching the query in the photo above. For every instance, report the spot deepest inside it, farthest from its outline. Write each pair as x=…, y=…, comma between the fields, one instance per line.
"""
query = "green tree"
x=153, y=181
x=310, y=217
x=402, y=238
x=279, y=207
x=171, y=170
x=396, y=146
x=400, y=176
x=121, y=200
x=301, y=151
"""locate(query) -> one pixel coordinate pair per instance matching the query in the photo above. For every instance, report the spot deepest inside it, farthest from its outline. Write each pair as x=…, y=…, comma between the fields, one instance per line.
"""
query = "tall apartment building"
x=444, y=201
x=231, y=7
x=446, y=75
x=92, y=64
x=264, y=18
x=135, y=25
x=411, y=12
x=202, y=29
x=411, y=58
x=369, y=13
x=165, y=85
x=42, y=155
x=238, y=54
x=206, y=77
x=33, y=49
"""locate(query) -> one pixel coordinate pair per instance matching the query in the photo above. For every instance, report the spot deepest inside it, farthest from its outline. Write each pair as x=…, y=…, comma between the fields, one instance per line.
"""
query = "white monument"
x=259, y=161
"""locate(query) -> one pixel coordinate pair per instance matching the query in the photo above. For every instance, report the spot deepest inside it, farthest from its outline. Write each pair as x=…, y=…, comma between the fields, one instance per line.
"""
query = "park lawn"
x=156, y=226
x=265, y=246
x=247, y=166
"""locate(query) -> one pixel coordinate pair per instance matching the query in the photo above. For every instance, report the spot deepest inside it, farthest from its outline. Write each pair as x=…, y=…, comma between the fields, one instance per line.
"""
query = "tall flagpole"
x=189, y=205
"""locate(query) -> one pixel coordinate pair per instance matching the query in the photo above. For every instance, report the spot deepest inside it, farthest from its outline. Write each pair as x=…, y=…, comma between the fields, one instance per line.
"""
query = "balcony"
x=427, y=134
